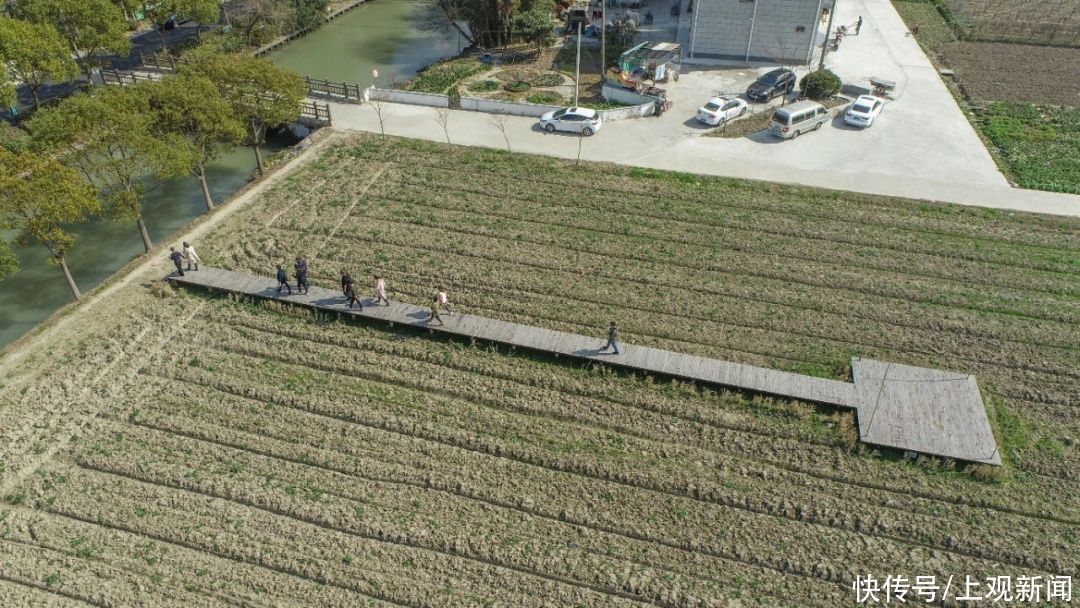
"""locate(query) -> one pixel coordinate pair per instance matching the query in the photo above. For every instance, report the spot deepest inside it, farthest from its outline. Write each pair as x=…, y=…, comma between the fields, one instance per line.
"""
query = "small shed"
x=649, y=63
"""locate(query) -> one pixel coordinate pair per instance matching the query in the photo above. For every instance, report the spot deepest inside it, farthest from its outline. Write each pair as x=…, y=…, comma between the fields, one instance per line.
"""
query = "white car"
x=863, y=111
x=574, y=120
x=720, y=109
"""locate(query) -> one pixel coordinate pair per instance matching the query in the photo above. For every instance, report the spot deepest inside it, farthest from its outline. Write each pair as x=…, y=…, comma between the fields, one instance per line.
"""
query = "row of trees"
x=103, y=151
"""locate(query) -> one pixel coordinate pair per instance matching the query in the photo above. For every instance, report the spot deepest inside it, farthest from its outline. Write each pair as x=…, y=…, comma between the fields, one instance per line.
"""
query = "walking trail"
x=899, y=406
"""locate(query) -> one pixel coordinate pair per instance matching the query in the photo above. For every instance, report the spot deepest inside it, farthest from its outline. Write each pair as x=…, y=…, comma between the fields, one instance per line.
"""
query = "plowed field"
x=180, y=448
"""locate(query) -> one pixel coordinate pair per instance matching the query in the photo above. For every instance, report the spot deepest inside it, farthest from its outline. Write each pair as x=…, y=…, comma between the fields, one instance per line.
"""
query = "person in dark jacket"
x=176, y=258
x=350, y=293
x=301, y=275
x=612, y=339
x=283, y=280
x=346, y=281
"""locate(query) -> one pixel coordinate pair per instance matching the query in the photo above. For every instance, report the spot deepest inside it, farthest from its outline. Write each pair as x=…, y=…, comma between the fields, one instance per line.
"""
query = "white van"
x=799, y=117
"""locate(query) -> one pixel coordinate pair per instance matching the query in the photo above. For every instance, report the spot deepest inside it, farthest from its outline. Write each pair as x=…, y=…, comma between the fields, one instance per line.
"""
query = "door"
x=571, y=122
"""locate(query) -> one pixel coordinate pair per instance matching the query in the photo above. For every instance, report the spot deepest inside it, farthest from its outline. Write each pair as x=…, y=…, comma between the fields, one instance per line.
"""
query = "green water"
x=390, y=35
x=32, y=294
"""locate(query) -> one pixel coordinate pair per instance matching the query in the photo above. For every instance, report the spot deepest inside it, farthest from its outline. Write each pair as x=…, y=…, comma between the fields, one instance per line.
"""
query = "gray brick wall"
x=722, y=29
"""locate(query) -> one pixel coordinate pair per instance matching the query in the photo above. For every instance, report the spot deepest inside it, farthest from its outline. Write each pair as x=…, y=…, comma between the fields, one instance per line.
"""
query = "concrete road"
x=922, y=145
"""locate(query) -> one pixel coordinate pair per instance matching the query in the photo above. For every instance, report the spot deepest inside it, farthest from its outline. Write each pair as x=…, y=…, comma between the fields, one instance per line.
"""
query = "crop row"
x=157, y=567
x=427, y=519
x=459, y=264
x=772, y=431
x=543, y=426
x=859, y=247
x=730, y=450
x=442, y=226
x=507, y=291
x=701, y=195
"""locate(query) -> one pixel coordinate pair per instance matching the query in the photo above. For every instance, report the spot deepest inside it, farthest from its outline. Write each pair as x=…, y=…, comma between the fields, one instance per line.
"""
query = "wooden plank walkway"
x=910, y=408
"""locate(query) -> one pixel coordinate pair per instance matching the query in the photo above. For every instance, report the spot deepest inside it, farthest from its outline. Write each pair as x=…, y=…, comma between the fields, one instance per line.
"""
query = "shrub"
x=517, y=86
x=484, y=85
x=820, y=84
x=545, y=98
x=441, y=76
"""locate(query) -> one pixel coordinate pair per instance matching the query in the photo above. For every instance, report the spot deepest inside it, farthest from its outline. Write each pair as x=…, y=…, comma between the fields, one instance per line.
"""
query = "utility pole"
x=603, y=42
x=577, y=70
x=828, y=28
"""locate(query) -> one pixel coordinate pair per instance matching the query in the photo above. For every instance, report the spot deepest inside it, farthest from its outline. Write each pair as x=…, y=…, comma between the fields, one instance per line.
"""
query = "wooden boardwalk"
x=899, y=406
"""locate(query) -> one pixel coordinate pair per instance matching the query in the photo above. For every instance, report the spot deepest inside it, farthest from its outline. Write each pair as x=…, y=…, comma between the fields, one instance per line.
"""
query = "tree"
x=260, y=93
x=113, y=137
x=199, y=11
x=487, y=21
x=35, y=53
x=535, y=26
x=189, y=105
x=39, y=197
x=8, y=262
x=256, y=20
x=309, y=13
x=7, y=88
x=89, y=26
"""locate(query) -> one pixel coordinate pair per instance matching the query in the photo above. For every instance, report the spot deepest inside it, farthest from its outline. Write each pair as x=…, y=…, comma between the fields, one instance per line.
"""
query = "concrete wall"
x=516, y=108
x=417, y=99
x=721, y=29
x=629, y=112
x=621, y=94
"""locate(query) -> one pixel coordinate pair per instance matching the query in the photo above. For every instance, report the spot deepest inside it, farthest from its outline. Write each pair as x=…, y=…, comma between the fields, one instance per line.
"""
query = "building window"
x=800, y=28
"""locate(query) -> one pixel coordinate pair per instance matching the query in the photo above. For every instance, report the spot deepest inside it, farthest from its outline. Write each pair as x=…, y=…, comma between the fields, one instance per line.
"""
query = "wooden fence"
x=335, y=89
x=159, y=60
x=116, y=77
x=320, y=112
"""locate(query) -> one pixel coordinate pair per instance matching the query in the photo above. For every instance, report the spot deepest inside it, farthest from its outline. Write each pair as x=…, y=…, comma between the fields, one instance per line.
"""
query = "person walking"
x=858, y=25
x=380, y=291
x=612, y=339
x=191, y=256
x=350, y=293
x=301, y=275
x=346, y=280
x=176, y=257
x=442, y=301
x=435, y=311
x=283, y=280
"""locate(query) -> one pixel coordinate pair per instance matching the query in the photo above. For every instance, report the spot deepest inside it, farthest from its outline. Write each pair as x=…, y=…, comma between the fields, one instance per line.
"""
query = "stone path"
x=910, y=408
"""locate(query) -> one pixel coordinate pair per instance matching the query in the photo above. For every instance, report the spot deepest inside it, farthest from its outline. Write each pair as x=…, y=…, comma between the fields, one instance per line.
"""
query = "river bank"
x=385, y=34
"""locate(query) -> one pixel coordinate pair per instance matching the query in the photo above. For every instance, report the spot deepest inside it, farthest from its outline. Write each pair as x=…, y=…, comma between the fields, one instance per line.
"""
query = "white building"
x=774, y=31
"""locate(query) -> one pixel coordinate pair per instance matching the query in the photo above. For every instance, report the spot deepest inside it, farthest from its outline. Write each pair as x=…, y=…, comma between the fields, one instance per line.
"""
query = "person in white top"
x=380, y=291
x=442, y=301
x=191, y=256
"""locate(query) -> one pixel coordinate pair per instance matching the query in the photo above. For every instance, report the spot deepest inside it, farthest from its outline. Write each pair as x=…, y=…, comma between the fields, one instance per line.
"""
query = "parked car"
x=863, y=111
x=574, y=120
x=792, y=120
x=780, y=81
x=720, y=109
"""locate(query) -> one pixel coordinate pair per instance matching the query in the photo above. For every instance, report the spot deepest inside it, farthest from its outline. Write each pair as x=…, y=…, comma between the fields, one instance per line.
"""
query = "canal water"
x=390, y=35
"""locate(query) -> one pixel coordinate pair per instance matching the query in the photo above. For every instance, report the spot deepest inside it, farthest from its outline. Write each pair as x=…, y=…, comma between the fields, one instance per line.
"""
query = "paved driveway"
x=922, y=147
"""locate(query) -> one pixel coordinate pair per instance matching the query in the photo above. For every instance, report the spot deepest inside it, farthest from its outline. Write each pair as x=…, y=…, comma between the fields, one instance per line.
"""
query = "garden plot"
x=243, y=453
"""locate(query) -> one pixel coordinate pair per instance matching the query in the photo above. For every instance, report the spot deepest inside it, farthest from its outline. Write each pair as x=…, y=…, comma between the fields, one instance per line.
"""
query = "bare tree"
x=580, y=140
x=442, y=116
x=381, y=112
x=499, y=122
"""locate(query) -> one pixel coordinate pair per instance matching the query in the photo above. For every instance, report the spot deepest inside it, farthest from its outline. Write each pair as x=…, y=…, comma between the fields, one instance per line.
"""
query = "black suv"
x=780, y=81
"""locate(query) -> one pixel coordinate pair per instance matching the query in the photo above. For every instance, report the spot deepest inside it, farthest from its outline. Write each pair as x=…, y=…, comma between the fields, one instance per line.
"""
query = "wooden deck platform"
x=899, y=406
